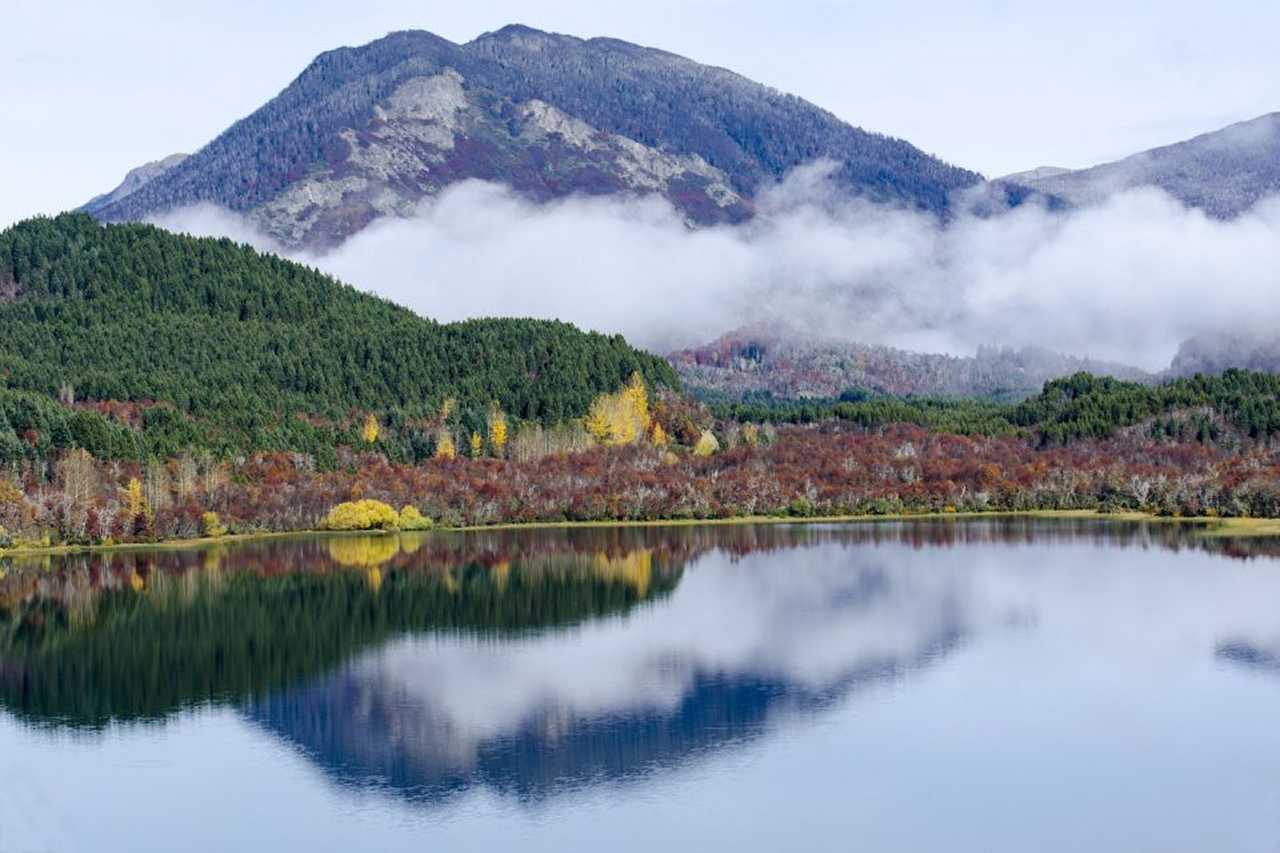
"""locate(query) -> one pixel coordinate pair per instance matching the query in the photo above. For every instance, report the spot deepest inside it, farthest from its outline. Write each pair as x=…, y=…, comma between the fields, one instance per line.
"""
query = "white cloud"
x=1126, y=280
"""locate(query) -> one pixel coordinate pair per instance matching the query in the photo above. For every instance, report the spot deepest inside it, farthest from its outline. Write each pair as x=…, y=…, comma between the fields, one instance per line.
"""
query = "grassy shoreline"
x=1216, y=527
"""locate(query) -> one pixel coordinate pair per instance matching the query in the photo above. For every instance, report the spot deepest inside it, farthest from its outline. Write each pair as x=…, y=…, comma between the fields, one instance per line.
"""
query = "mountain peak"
x=371, y=131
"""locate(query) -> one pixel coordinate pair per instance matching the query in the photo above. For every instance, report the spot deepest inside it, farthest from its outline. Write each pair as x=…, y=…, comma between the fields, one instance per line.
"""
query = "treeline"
x=1206, y=409
x=1085, y=406
x=242, y=342
x=962, y=417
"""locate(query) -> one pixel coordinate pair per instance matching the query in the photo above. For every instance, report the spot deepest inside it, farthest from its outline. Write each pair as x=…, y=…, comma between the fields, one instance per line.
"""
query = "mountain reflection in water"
x=526, y=662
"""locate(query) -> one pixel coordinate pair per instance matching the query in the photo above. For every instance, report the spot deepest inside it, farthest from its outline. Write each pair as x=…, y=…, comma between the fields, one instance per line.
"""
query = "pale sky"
x=91, y=89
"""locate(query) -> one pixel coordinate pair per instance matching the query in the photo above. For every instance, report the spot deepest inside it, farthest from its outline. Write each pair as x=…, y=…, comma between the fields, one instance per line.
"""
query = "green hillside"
x=242, y=341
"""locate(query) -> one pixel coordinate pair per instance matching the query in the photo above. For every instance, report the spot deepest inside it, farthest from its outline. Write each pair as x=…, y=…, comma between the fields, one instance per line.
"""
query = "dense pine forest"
x=1237, y=405
x=251, y=352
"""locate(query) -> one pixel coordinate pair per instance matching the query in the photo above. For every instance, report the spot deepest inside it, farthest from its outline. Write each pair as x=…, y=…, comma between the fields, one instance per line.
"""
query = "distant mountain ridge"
x=370, y=131
x=790, y=366
x=1223, y=173
x=134, y=181
x=1215, y=353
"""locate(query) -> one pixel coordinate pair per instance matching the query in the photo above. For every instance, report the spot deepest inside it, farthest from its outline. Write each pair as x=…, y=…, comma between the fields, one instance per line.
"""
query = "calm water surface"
x=997, y=685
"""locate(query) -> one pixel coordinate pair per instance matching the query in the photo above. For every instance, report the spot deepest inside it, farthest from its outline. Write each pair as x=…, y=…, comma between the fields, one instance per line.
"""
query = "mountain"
x=1039, y=173
x=767, y=362
x=1223, y=173
x=239, y=340
x=134, y=181
x=370, y=131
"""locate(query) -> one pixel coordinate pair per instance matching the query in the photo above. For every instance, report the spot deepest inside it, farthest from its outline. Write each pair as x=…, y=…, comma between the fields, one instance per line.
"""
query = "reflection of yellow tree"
x=410, y=542
x=363, y=552
x=501, y=572
x=635, y=569
x=211, y=559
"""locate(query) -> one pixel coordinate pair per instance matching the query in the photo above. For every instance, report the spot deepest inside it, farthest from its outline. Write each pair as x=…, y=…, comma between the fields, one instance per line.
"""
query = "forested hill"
x=135, y=313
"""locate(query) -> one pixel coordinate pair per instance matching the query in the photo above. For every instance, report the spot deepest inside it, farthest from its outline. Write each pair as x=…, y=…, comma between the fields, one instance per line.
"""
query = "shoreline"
x=1213, y=526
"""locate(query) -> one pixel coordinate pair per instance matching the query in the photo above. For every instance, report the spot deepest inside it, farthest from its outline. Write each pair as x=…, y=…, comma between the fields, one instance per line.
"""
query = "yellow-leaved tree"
x=497, y=431
x=477, y=445
x=134, y=503
x=444, y=446
x=622, y=417
x=369, y=432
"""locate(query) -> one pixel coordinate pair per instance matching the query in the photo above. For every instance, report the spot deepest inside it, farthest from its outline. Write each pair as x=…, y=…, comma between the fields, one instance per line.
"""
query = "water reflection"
x=744, y=643
x=530, y=663
x=139, y=636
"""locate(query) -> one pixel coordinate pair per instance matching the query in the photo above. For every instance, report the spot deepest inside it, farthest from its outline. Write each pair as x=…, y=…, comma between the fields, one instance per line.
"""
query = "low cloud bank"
x=1126, y=280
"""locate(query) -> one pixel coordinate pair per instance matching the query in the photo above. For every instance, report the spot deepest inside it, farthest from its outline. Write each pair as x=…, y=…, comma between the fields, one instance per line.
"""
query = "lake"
x=1005, y=684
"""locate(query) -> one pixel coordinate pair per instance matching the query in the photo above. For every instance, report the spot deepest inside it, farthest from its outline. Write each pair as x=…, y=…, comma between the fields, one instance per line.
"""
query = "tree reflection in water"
x=524, y=661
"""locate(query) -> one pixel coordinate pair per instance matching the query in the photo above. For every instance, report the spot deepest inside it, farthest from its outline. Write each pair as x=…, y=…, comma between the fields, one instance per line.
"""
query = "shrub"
x=361, y=515
x=411, y=519
x=212, y=526
x=707, y=444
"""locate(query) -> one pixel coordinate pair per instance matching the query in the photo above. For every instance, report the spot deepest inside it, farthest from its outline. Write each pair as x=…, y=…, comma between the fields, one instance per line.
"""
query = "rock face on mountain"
x=371, y=131
x=134, y=181
x=1223, y=173
x=745, y=363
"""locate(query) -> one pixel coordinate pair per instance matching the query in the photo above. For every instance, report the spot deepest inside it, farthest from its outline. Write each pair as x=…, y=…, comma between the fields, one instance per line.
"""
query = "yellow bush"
x=212, y=525
x=361, y=515
x=9, y=493
x=411, y=519
x=707, y=444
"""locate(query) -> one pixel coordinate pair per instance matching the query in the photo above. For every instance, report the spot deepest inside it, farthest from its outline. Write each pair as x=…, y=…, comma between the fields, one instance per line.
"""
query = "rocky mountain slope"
x=134, y=181
x=787, y=366
x=1223, y=173
x=370, y=131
